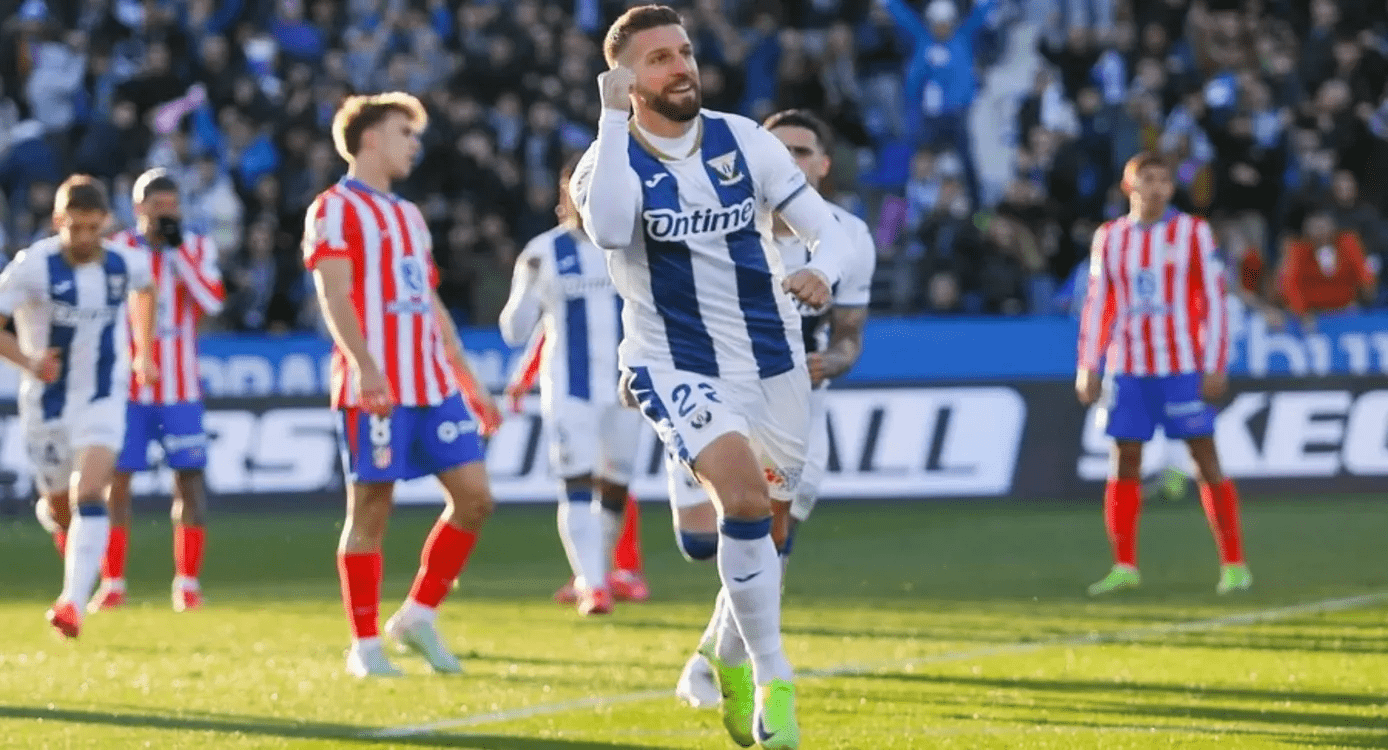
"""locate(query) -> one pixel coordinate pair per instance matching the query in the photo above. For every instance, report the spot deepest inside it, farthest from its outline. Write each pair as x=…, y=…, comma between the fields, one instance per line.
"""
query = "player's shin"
x=1122, y=508
x=88, y=536
x=1221, y=503
x=189, y=513
x=750, y=569
x=581, y=531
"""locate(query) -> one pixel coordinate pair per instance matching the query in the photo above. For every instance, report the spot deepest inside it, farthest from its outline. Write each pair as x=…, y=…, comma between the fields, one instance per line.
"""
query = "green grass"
x=969, y=619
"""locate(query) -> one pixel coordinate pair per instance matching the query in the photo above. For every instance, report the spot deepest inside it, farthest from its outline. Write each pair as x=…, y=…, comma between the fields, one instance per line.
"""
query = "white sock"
x=730, y=647
x=710, y=636
x=582, y=538
x=87, y=536
x=367, y=644
x=751, y=573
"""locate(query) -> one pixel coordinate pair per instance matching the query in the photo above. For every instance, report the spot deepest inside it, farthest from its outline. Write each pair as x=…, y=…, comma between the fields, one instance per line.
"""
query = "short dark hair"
x=151, y=182
x=362, y=112
x=636, y=20
x=81, y=192
x=802, y=118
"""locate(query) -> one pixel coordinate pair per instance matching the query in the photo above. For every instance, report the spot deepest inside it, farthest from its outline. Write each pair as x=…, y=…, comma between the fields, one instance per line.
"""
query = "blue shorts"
x=177, y=427
x=414, y=441
x=1137, y=404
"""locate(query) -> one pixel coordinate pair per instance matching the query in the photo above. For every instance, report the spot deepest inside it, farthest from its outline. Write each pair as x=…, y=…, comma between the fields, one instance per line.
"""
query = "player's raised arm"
x=525, y=306
x=196, y=265
x=17, y=286
x=604, y=187
x=1096, y=321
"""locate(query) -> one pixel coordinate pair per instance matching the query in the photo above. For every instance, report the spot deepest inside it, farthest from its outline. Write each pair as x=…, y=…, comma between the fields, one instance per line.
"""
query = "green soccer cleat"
x=739, y=696
x=1234, y=578
x=776, y=726
x=1121, y=577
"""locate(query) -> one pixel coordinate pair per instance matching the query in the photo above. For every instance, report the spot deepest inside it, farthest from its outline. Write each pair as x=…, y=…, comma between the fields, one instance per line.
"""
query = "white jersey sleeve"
x=774, y=172
x=855, y=288
x=138, y=269
x=21, y=282
x=526, y=305
x=605, y=188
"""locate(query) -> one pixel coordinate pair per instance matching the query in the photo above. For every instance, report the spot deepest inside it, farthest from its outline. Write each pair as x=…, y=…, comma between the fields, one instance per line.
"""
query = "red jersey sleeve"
x=331, y=230
x=1096, y=321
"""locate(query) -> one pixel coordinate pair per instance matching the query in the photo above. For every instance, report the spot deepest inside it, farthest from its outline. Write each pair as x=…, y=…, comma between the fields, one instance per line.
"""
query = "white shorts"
x=588, y=439
x=689, y=411
x=816, y=458
x=53, y=444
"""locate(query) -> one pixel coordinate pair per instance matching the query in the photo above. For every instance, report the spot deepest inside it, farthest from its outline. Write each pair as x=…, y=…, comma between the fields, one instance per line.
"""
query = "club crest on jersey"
x=380, y=456
x=725, y=166
x=666, y=225
x=1146, y=284
x=412, y=275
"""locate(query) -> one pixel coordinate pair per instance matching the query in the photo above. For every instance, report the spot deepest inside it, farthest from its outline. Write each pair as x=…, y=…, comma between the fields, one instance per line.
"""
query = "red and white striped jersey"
x=393, y=278
x=188, y=283
x=1156, y=299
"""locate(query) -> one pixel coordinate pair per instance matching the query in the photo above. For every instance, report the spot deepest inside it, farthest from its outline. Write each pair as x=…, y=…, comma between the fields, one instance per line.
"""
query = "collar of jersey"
x=353, y=183
x=657, y=153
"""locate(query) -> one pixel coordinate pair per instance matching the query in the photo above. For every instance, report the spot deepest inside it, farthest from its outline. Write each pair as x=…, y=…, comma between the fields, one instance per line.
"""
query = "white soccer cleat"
x=420, y=635
x=370, y=661
x=697, y=686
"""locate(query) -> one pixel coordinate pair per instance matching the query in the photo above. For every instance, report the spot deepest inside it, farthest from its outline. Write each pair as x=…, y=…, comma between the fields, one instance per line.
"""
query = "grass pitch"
x=922, y=625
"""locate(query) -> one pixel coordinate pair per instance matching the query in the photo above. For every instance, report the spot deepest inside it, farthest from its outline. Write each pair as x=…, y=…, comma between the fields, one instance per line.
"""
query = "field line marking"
x=1323, y=606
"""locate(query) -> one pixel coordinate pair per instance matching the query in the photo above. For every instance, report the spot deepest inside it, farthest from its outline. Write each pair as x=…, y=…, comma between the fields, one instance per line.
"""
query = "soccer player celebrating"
x=682, y=199
x=396, y=357
x=1156, y=313
x=561, y=283
x=833, y=340
x=188, y=285
x=67, y=295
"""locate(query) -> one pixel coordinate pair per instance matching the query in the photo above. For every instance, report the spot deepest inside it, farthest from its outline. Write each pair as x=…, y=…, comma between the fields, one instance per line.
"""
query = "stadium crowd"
x=1268, y=106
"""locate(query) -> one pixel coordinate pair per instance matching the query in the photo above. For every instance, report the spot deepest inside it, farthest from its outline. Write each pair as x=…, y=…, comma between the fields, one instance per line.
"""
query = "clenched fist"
x=615, y=88
x=810, y=287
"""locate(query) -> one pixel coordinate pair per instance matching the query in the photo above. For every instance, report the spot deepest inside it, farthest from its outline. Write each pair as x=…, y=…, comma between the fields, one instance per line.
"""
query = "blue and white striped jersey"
x=561, y=283
x=78, y=310
x=702, y=289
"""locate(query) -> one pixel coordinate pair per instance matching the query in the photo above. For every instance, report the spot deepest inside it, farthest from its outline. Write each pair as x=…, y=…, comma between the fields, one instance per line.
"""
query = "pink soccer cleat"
x=628, y=586
x=567, y=594
x=186, y=598
x=110, y=595
x=65, y=618
x=595, y=602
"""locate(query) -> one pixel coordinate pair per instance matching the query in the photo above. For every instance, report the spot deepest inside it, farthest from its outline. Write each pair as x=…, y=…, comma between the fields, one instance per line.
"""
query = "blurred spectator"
x=1324, y=270
x=940, y=80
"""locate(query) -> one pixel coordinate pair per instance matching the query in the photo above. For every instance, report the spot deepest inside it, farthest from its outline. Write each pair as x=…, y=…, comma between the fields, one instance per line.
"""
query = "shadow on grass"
x=1270, y=697
x=268, y=727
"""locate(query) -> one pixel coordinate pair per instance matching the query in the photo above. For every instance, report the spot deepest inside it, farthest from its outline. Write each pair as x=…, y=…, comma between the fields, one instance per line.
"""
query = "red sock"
x=188, y=542
x=113, y=566
x=445, y=552
x=1122, y=506
x=1221, y=503
x=60, y=541
x=360, y=574
x=627, y=555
